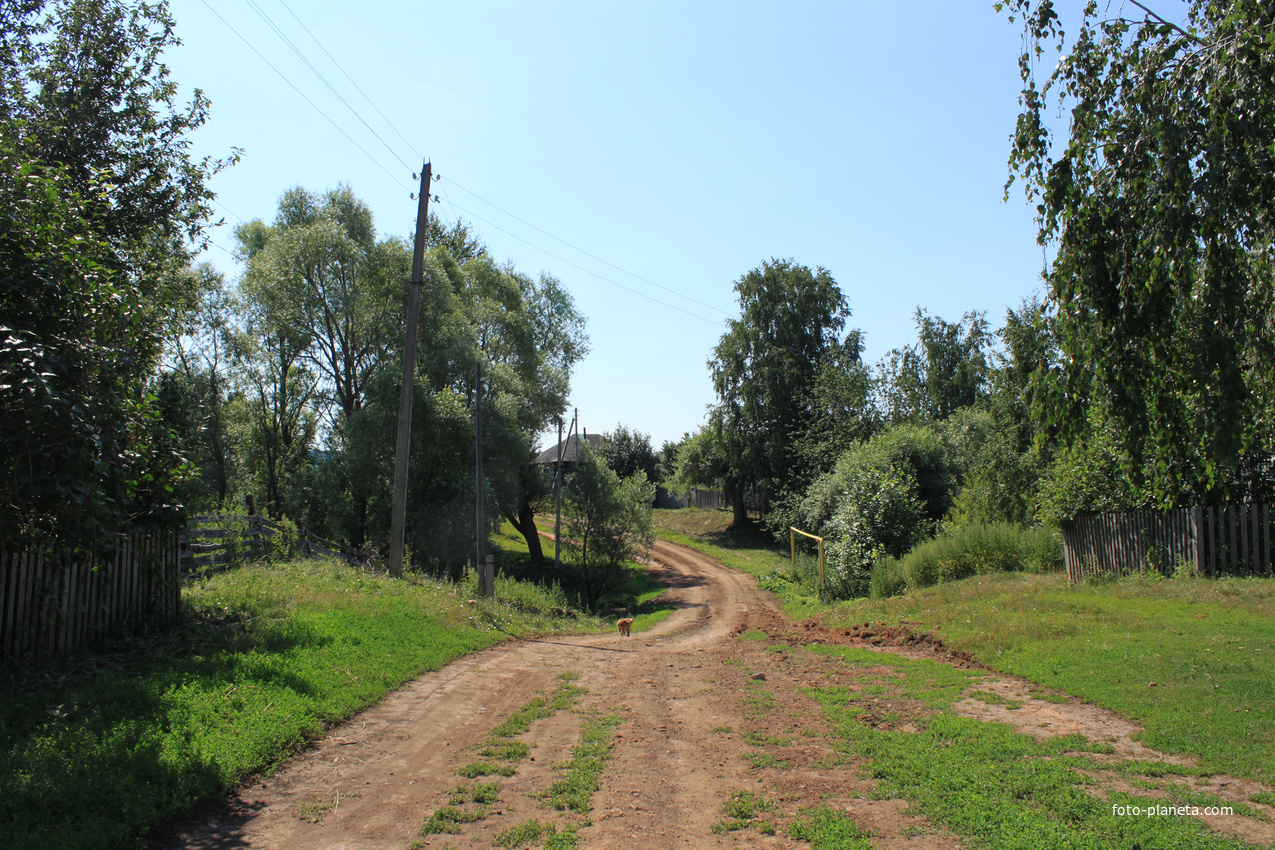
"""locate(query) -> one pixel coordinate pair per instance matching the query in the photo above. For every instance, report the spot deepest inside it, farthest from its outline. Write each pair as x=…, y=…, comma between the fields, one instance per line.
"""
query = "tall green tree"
x=628, y=452
x=791, y=317
x=101, y=203
x=944, y=371
x=1158, y=202
x=194, y=385
x=321, y=266
x=843, y=412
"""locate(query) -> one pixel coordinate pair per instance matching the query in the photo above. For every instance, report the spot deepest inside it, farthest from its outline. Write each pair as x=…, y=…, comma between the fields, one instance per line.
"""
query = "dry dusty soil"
x=704, y=715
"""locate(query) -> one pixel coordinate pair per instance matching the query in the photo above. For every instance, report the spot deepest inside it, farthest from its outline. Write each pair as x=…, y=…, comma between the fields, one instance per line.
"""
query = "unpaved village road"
x=683, y=690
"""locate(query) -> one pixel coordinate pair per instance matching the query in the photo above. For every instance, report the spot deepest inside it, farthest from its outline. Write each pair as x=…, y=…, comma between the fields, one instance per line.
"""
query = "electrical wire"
x=586, y=253
x=583, y=269
x=300, y=55
x=261, y=13
x=339, y=128
x=352, y=82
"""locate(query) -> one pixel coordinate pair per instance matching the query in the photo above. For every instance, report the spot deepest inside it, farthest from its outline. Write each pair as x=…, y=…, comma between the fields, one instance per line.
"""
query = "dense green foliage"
x=100, y=206
x=945, y=371
x=628, y=452
x=975, y=549
x=287, y=387
x=1158, y=203
x=606, y=523
x=883, y=497
x=764, y=366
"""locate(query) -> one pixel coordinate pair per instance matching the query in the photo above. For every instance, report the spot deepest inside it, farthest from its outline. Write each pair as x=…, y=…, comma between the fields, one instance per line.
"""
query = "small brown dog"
x=624, y=626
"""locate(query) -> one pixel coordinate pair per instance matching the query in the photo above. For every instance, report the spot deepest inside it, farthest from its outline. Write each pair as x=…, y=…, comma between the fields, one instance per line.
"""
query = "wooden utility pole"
x=557, y=494
x=399, y=516
x=480, y=564
x=557, y=498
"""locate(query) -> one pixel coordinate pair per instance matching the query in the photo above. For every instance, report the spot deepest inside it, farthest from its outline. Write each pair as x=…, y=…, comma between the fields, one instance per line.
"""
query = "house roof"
x=570, y=448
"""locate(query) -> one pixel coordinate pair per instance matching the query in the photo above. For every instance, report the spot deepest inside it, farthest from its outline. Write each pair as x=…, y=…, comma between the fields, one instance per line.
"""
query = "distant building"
x=570, y=450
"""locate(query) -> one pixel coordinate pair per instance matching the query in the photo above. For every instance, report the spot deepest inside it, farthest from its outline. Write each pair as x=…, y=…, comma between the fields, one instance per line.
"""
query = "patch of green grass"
x=540, y=707
x=533, y=832
x=580, y=776
x=758, y=739
x=995, y=787
x=994, y=699
x=757, y=698
x=475, y=769
x=479, y=792
x=504, y=750
x=1264, y=797
x=740, y=810
x=448, y=820
x=520, y=835
x=95, y=750
x=720, y=729
x=758, y=759
x=827, y=829
x=1205, y=644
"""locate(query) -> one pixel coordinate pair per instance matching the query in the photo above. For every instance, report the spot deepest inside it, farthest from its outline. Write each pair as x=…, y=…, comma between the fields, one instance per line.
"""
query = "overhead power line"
x=352, y=82
x=339, y=128
x=582, y=268
x=586, y=253
x=261, y=13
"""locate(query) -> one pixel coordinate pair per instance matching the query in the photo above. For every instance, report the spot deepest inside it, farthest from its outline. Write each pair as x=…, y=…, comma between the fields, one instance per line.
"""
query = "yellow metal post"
x=792, y=537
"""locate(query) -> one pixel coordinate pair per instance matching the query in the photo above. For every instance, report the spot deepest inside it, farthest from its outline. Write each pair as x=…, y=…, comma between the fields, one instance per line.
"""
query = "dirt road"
x=704, y=715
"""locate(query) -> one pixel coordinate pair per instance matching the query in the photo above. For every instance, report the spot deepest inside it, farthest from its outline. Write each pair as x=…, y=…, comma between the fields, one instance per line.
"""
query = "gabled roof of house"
x=570, y=448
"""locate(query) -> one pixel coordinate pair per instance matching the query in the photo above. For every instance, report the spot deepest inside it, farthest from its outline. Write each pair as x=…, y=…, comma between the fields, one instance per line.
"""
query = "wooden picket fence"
x=53, y=603
x=1234, y=539
x=215, y=542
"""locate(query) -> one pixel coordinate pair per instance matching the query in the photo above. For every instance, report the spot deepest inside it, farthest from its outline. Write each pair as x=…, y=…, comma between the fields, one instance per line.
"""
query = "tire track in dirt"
x=371, y=782
x=689, y=737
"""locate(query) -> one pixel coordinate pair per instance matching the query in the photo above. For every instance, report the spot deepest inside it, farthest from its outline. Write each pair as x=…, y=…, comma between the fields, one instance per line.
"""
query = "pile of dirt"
x=875, y=635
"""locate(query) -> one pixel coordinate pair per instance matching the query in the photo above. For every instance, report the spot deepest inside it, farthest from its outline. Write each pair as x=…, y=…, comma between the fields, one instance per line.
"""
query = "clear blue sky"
x=680, y=143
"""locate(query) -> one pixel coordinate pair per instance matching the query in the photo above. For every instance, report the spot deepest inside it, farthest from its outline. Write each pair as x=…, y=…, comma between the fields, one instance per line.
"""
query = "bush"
x=883, y=496
x=973, y=550
x=888, y=578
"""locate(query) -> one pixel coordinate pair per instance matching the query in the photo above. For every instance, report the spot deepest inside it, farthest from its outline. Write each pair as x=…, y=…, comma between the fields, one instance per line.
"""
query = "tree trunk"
x=739, y=511
x=525, y=524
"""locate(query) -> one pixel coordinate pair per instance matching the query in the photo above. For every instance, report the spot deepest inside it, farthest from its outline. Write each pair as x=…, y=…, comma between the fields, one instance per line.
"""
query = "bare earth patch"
x=705, y=714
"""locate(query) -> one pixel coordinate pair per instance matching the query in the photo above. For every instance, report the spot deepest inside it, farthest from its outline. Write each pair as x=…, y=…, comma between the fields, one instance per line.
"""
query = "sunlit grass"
x=1193, y=660
x=1207, y=645
x=992, y=785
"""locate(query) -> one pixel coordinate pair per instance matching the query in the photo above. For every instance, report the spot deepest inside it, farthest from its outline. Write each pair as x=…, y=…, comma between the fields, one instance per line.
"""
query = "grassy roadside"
x=994, y=786
x=1192, y=660
x=97, y=750
x=639, y=592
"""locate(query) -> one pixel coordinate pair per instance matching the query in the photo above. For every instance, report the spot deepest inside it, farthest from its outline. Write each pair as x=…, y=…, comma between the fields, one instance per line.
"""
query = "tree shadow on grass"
x=96, y=748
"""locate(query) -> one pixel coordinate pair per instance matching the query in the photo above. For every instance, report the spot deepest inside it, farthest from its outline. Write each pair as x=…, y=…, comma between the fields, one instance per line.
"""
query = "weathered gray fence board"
x=1213, y=540
x=56, y=603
